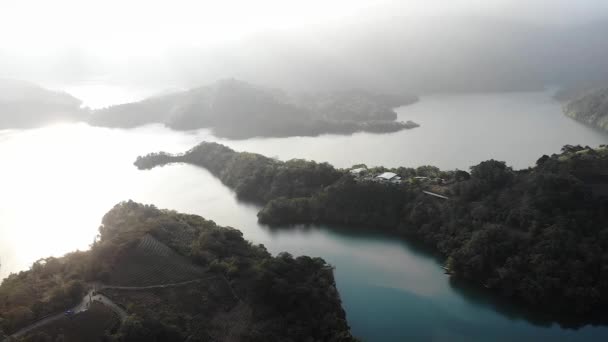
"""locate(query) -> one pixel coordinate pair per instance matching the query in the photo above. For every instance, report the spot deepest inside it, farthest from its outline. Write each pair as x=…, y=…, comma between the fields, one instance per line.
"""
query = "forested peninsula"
x=239, y=110
x=230, y=108
x=159, y=275
x=590, y=108
x=537, y=235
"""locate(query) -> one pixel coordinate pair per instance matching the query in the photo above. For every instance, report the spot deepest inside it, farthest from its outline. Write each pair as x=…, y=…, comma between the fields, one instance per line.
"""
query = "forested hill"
x=538, y=235
x=253, y=177
x=212, y=285
x=237, y=109
x=25, y=105
x=590, y=108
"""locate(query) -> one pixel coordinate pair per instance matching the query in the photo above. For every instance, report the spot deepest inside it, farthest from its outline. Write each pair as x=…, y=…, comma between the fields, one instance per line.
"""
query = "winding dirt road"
x=94, y=296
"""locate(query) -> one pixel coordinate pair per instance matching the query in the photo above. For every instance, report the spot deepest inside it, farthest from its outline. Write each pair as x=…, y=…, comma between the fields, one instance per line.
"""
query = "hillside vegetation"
x=237, y=109
x=538, y=235
x=95, y=324
x=591, y=108
x=253, y=176
x=151, y=262
x=242, y=293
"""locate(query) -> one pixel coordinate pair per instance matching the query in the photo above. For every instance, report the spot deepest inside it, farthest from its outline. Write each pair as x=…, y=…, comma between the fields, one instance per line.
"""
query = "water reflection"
x=514, y=311
x=388, y=299
x=57, y=182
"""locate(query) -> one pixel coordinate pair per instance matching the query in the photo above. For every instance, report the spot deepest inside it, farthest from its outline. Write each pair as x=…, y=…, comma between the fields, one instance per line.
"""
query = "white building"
x=388, y=176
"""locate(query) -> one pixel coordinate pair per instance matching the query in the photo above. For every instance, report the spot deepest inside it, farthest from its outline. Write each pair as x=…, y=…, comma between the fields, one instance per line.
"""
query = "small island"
x=239, y=110
x=537, y=235
x=159, y=275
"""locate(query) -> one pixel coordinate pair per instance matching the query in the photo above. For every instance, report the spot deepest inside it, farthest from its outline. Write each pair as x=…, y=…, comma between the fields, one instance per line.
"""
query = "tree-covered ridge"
x=590, y=108
x=237, y=109
x=253, y=176
x=538, y=235
x=244, y=294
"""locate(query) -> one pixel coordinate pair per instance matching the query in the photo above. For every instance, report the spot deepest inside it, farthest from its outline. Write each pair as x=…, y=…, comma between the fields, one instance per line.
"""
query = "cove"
x=58, y=181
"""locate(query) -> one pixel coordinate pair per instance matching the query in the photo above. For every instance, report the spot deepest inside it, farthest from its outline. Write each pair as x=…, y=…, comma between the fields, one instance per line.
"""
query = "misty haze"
x=304, y=171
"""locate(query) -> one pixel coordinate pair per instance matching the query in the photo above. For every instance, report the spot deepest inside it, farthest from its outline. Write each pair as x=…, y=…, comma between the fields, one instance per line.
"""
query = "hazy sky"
x=145, y=26
x=142, y=26
x=77, y=38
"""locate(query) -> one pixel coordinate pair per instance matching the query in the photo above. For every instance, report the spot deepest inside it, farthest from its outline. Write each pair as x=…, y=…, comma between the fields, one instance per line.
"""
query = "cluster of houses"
x=362, y=174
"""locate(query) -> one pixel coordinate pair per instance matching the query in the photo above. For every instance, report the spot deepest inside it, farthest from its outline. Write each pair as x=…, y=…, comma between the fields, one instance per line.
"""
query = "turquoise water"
x=70, y=175
x=396, y=303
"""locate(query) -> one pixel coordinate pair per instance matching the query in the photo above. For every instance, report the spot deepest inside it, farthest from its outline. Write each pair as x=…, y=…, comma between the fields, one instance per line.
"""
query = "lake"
x=57, y=182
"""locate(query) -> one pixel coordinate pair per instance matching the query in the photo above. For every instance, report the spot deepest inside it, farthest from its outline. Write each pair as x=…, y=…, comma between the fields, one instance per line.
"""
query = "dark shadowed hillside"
x=176, y=277
x=538, y=235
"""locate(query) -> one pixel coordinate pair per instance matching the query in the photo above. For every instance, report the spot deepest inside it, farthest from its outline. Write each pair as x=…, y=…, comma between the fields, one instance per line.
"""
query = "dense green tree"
x=240, y=285
x=495, y=173
x=536, y=235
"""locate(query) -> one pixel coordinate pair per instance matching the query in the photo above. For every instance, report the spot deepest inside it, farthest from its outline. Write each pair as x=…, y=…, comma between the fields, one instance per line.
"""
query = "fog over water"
x=421, y=46
x=485, y=72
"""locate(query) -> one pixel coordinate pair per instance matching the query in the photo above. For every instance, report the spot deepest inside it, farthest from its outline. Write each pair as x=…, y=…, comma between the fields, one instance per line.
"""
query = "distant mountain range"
x=24, y=104
x=231, y=108
x=237, y=109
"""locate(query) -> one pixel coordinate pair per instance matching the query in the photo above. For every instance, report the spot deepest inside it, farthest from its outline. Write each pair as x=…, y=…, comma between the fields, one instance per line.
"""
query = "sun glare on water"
x=57, y=182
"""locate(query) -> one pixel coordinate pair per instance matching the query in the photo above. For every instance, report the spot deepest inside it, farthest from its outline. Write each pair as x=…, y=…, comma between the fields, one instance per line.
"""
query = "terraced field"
x=198, y=301
x=152, y=262
x=90, y=325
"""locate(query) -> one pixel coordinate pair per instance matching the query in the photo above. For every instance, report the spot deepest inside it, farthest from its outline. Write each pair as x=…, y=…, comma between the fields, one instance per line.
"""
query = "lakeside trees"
x=252, y=176
x=537, y=235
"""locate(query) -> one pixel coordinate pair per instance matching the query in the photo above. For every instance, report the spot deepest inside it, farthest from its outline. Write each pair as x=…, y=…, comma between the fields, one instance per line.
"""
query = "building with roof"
x=388, y=176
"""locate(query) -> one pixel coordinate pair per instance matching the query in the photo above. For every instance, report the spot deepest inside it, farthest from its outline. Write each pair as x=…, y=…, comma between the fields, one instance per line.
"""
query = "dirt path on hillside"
x=94, y=296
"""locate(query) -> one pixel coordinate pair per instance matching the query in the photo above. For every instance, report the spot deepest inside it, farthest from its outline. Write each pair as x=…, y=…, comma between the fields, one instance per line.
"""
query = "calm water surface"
x=58, y=181
x=456, y=131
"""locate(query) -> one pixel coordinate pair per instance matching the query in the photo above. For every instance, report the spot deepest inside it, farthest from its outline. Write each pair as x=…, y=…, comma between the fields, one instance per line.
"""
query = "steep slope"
x=239, y=291
x=151, y=262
